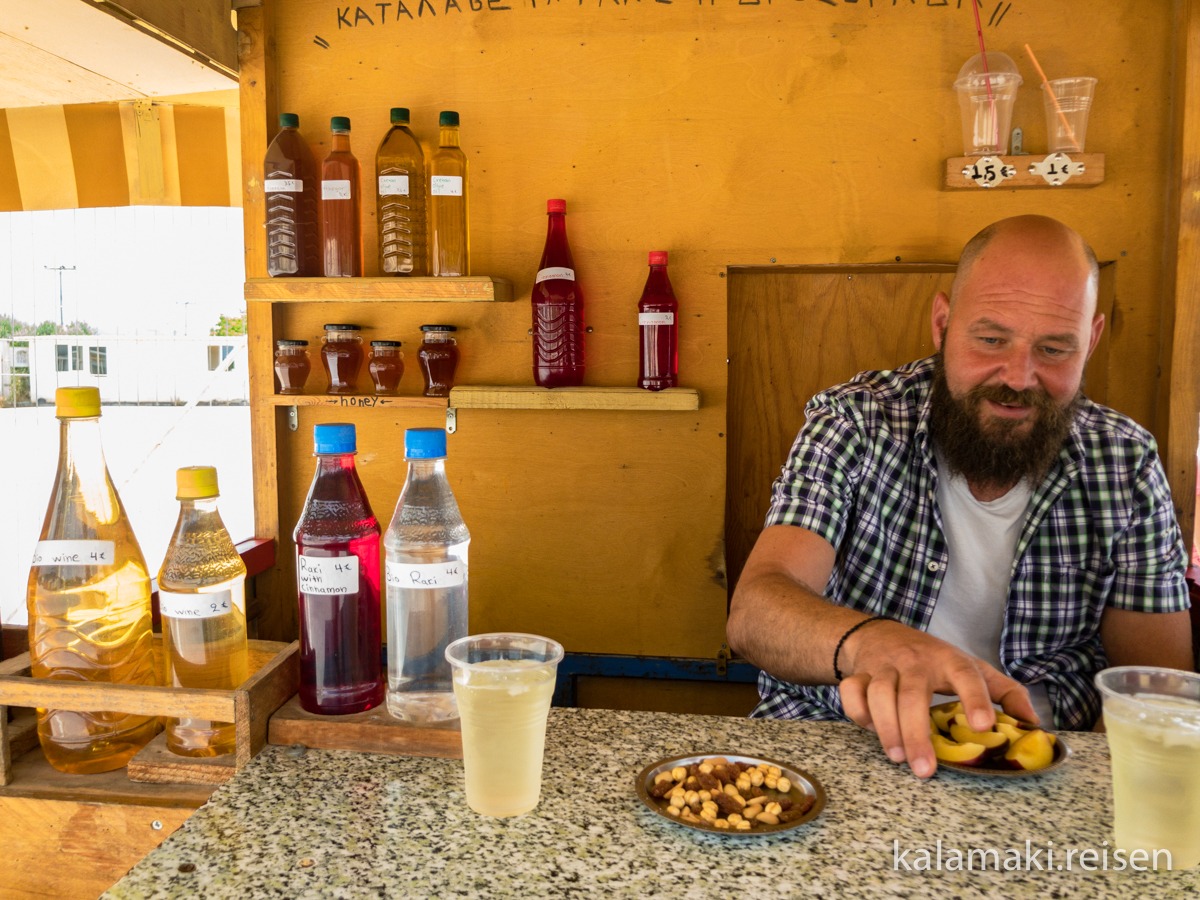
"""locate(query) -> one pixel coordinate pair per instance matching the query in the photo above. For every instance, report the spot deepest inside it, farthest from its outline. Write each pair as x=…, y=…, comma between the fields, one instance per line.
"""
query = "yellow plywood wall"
x=748, y=134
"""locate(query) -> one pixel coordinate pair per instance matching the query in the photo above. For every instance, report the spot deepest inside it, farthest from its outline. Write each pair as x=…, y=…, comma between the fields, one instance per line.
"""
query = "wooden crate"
x=373, y=731
x=276, y=668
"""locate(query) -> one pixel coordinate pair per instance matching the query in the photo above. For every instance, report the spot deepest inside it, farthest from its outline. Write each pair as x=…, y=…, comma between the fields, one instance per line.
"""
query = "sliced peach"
x=1032, y=751
x=1012, y=732
x=952, y=751
x=992, y=740
x=941, y=715
x=1006, y=719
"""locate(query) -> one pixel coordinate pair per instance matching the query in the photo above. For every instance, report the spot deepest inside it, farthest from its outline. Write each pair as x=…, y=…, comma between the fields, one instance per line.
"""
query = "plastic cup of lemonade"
x=1152, y=717
x=503, y=684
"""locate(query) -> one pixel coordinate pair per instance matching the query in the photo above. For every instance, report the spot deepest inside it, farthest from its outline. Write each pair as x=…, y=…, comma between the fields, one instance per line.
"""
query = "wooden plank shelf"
x=954, y=180
x=465, y=289
x=528, y=396
x=373, y=731
x=359, y=401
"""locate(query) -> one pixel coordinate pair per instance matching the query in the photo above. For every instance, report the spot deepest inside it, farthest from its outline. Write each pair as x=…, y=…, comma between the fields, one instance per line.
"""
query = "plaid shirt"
x=1100, y=532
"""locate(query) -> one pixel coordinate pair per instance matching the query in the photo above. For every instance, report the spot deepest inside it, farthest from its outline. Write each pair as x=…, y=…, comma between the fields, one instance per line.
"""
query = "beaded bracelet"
x=837, y=673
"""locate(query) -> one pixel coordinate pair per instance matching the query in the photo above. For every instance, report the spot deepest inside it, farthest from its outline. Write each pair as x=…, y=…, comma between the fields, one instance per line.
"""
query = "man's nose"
x=1020, y=372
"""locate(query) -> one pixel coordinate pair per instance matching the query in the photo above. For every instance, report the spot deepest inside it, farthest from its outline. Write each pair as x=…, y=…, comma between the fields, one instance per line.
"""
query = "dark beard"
x=994, y=453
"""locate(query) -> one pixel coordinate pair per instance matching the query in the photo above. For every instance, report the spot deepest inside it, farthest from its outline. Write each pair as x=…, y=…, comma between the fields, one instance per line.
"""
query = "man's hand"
x=893, y=673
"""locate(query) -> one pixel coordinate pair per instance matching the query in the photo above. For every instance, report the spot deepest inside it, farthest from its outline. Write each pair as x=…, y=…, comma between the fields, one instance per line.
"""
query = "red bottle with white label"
x=341, y=206
x=337, y=578
x=557, y=308
x=658, y=325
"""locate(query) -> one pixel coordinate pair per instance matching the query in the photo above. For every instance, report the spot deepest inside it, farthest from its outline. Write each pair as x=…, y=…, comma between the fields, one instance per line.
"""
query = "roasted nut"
x=717, y=793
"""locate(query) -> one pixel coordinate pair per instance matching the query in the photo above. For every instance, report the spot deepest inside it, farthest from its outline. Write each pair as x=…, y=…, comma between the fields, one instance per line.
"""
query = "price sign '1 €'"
x=1056, y=168
x=988, y=171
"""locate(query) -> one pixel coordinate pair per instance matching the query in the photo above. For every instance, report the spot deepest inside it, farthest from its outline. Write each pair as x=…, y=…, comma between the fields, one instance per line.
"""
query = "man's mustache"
x=1002, y=393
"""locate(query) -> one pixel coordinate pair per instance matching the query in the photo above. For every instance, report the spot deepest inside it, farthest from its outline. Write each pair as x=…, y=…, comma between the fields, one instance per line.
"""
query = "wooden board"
x=155, y=764
x=373, y=731
x=529, y=396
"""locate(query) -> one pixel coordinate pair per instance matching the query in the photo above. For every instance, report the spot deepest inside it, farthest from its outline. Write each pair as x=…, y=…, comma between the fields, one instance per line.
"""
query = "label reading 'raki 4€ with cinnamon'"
x=327, y=574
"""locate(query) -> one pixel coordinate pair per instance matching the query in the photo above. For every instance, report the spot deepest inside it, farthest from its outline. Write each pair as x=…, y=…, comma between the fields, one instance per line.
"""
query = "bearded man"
x=968, y=524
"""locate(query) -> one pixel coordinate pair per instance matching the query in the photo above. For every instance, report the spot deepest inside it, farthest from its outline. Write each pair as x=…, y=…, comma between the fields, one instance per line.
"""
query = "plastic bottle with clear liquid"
x=290, y=191
x=658, y=328
x=449, y=235
x=202, y=599
x=557, y=308
x=337, y=576
x=89, y=599
x=341, y=205
x=426, y=582
x=400, y=200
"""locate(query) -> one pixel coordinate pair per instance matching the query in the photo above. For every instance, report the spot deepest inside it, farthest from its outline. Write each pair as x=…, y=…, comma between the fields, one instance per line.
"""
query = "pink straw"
x=987, y=74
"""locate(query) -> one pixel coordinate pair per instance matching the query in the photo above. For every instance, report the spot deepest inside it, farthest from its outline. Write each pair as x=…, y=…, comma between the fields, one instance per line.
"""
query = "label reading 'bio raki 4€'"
x=429, y=576
x=195, y=606
x=74, y=553
x=328, y=574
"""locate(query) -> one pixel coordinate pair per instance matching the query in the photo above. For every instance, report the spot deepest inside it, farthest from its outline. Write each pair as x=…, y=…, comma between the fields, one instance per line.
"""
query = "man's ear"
x=1097, y=330
x=939, y=318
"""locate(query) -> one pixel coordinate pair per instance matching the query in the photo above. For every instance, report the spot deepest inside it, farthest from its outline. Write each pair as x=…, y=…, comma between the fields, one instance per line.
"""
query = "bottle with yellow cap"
x=202, y=598
x=88, y=598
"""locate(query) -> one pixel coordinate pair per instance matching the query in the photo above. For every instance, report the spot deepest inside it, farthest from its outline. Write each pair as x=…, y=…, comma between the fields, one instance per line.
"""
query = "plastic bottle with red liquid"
x=557, y=308
x=658, y=326
x=290, y=191
x=341, y=205
x=337, y=577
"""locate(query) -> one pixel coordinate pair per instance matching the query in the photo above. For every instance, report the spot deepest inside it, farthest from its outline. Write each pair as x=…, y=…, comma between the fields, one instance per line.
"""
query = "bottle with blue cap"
x=337, y=578
x=426, y=584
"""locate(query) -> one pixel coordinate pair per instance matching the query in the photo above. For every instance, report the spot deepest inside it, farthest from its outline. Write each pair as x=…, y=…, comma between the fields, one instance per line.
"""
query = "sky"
x=143, y=269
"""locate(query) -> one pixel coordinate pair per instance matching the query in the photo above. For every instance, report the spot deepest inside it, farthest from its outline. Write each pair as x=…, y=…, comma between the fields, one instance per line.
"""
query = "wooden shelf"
x=478, y=396
x=954, y=180
x=359, y=401
x=467, y=289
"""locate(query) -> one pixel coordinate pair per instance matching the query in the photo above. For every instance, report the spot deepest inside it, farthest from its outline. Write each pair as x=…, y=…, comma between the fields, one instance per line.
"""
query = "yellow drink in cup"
x=503, y=684
x=1152, y=716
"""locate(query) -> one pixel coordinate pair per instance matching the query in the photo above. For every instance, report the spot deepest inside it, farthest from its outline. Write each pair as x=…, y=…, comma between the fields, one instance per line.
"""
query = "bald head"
x=1038, y=245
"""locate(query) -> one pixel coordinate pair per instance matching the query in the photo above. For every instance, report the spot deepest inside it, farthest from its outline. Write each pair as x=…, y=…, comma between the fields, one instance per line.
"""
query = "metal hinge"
x=451, y=420
x=723, y=657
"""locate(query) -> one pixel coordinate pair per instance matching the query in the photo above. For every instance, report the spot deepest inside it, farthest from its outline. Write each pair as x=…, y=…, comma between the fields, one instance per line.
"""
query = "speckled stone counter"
x=324, y=824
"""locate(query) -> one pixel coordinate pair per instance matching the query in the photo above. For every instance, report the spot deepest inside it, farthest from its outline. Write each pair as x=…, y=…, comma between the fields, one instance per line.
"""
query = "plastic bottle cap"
x=425, y=443
x=334, y=437
x=399, y=115
x=658, y=257
x=447, y=117
x=194, y=482
x=289, y=120
x=77, y=402
x=559, y=206
x=439, y=328
x=339, y=123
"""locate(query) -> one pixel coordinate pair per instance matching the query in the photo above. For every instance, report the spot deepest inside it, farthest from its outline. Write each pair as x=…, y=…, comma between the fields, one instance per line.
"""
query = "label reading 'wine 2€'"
x=283, y=186
x=195, y=606
x=337, y=189
x=327, y=574
x=74, y=553
x=393, y=185
x=554, y=273
x=656, y=318
x=427, y=576
x=445, y=185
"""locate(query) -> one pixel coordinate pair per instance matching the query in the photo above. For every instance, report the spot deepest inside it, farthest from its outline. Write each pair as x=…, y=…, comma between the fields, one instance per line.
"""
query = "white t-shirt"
x=981, y=538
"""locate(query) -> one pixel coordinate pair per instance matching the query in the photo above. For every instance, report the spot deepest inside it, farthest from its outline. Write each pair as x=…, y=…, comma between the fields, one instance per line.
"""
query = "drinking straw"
x=987, y=75
x=1053, y=99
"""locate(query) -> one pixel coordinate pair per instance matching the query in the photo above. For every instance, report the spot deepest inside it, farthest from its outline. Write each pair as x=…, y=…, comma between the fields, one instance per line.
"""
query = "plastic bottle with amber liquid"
x=337, y=577
x=89, y=599
x=202, y=599
x=341, y=206
x=400, y=200
x=290, y=191
x=449, y=244
x=658, y=327
x=557, y=308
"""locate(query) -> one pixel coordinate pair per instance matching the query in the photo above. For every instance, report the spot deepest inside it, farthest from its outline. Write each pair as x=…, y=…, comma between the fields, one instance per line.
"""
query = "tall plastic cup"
x=503, y=684
x=1152, y=717
x=986, y=93
x=1067, y=113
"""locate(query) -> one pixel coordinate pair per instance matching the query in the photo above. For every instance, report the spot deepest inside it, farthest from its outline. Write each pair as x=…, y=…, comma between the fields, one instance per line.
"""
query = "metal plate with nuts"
x=804, y=788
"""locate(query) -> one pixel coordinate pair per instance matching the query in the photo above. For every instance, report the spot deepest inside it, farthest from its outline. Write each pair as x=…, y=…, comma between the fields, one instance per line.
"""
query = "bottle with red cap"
x=658, y=312
x=557, y=308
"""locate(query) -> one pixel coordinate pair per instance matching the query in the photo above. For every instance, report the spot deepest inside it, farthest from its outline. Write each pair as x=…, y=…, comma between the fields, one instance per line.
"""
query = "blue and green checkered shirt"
x=1100, y=532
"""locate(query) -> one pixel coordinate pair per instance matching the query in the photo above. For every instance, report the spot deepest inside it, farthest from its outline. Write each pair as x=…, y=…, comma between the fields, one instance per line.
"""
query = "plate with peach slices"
x=1011, y=749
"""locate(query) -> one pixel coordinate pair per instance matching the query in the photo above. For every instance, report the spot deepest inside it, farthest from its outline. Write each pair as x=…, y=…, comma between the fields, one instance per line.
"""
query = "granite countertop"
x=311, y=823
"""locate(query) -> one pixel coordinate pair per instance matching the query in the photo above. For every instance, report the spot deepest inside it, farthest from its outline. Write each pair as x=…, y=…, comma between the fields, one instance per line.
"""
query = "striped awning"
x=127, y=153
